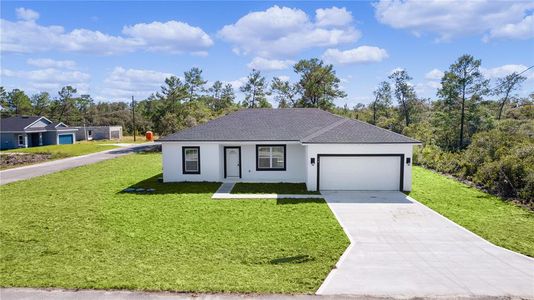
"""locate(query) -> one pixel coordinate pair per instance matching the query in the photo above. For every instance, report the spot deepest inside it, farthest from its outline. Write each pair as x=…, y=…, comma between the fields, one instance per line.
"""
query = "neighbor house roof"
x=306, y=125
x=23, y=123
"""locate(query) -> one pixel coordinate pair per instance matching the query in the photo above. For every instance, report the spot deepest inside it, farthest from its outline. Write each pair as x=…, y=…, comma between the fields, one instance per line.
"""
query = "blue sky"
x=113, y=50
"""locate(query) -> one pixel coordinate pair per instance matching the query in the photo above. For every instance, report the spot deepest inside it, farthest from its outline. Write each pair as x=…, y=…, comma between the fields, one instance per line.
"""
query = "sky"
x=115, y=50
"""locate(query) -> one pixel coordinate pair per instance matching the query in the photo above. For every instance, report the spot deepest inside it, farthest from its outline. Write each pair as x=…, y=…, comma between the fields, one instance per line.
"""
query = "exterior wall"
x=49, y=138
x=8, y=141
x=212, y=163
x=312, y=150
x=99, y=132
x=209, y=162
x=295, y=169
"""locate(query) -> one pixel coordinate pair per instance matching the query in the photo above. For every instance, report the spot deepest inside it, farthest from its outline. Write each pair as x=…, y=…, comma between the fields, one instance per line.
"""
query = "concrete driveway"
x=401, y=248
x=27, y=172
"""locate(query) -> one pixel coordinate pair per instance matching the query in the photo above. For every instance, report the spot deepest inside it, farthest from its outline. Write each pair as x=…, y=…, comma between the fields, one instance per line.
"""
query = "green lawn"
x=501, y=223
x=62, y=151
x=77, y=229
x=271, y=188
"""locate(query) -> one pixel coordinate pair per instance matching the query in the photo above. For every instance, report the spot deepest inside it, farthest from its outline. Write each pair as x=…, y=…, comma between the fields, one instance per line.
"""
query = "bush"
x=501, y=160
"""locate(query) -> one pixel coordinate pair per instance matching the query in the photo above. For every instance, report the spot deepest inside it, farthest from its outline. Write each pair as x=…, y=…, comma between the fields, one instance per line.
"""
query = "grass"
x=63, y=151
x=77, y=229
x=271, y=188
x=499, y=222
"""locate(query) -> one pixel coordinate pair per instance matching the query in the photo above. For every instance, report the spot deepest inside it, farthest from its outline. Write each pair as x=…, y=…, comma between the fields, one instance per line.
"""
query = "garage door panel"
x=65, y=139
x=359, y=173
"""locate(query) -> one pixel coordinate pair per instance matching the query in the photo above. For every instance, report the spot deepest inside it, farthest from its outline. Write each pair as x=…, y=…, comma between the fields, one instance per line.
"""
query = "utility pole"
x=133, y=116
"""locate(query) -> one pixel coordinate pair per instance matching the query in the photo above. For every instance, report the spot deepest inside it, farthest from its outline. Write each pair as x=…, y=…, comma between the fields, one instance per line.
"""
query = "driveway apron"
x=401, y=248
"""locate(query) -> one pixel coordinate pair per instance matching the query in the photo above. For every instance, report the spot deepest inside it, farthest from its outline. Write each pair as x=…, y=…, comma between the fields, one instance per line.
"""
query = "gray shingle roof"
x=16, y=123
x=306, y=125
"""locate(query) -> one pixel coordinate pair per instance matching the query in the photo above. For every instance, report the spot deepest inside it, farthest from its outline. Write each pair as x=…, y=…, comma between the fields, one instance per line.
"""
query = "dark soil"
x=10, y=160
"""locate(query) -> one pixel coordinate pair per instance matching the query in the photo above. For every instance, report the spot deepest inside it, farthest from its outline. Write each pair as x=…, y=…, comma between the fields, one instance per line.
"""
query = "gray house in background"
x=33, y=131
x=99, y=133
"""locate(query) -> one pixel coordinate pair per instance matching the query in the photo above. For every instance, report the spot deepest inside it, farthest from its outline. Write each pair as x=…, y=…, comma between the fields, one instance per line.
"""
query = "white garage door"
x=371, y=173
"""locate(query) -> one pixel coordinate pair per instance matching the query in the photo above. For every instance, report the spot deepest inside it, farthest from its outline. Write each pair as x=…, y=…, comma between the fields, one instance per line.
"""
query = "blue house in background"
x=33, y=131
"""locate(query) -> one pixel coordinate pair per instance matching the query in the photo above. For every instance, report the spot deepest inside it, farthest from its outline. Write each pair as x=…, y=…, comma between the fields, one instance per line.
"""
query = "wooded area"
x=475, y=129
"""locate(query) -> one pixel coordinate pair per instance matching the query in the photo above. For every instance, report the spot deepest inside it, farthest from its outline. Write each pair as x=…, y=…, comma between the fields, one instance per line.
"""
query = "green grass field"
x=501, y=223
x=63, y=151
x=270, y=188
x=77, y=229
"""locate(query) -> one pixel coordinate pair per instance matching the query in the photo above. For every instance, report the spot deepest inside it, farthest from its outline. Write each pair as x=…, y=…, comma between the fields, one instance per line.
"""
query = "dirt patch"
x=10, y=160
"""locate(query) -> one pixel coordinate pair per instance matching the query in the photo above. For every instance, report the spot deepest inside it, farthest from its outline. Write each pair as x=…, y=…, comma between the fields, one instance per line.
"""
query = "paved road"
x=27, y=172
x=401, y=248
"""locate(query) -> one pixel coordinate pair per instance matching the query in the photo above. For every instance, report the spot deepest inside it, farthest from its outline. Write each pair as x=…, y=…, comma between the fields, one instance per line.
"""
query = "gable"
x=42, y=122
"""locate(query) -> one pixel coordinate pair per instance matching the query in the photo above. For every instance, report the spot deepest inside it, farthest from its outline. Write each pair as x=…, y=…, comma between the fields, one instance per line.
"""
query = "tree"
x=463, y=81
x=404, y=93
x=318, y=83
x=254, y=90
x=227, y=97
x=172, y=93
x=65, y=101
x=194, y=82
x=505, y=88
x=41, y=103
x=285, y=93
x=18, y=103
x=382, y=100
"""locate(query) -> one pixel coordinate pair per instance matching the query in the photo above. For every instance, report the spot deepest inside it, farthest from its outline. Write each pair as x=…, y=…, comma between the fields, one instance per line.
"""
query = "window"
x=21, y=140
x=270, y=157
x=89, y=133
x=191, y=160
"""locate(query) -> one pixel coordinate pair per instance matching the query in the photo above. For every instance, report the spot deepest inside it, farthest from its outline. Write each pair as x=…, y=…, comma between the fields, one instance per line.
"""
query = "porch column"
x=40, y=138
x=25, y=140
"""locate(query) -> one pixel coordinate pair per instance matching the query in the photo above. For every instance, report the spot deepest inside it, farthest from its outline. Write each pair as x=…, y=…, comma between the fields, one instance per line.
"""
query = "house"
x=90, y=133
x=323, y=150
x=32, y=131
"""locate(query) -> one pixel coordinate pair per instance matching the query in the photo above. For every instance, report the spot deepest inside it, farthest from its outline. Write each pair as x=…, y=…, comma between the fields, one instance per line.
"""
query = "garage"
x=360, y=172
x=65, y=139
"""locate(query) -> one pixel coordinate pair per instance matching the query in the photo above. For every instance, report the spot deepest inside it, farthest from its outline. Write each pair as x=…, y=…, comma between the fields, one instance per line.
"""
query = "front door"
x=233, y=158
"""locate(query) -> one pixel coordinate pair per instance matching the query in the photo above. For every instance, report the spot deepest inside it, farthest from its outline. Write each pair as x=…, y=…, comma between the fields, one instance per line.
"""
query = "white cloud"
x=522, y=30
x=264, y=64
x=451, y=18
x=282, y=31
x=50, y=79
x=236, y=84
x=51, y=63
x=26, y=14
x=333, y=17
x=362, y=54
x=26, y=36
x=170, y=36
x=123, y=83
x=504, y=70
x=434, y=74
x=283, y=77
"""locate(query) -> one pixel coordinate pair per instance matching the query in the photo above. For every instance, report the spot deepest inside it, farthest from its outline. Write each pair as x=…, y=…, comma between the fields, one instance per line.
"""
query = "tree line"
x=469, y=114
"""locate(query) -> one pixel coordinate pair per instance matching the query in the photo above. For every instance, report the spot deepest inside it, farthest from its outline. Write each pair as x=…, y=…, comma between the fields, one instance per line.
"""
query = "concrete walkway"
x=27, y=172
x=401, y=248
x=224, y=192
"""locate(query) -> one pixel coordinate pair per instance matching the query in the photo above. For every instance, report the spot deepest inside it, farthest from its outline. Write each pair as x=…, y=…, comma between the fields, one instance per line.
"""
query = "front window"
x=21, y=140
x=191, y=160
x=270, y=157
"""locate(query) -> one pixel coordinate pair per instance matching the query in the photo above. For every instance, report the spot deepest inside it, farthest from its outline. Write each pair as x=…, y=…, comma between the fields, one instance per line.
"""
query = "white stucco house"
x=301, y=145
